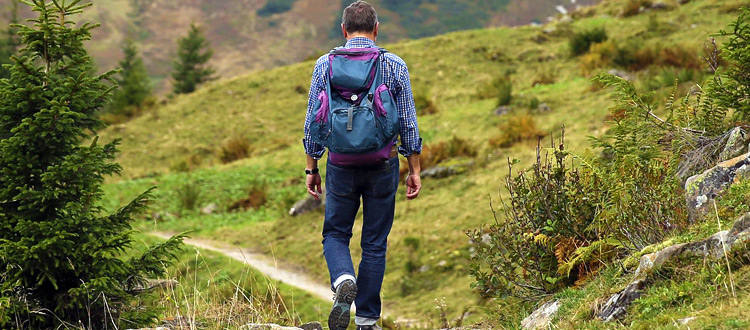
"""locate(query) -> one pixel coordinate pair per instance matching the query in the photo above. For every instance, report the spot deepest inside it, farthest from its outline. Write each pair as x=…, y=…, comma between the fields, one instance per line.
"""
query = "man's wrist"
x=311, y=171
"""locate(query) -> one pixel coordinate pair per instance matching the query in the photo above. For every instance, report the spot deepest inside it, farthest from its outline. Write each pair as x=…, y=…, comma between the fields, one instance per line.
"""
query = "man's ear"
x=343, y=30
x=377, y=26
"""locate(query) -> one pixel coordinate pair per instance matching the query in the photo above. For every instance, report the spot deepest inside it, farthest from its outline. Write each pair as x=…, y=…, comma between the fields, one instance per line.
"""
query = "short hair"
x=360, y=16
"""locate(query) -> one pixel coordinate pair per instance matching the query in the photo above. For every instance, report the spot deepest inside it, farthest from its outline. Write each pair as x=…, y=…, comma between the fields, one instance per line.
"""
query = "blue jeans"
x=376, y=186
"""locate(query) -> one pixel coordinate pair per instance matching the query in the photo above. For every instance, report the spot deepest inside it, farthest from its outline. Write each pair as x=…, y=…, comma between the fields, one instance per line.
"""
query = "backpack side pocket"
x=385, y=107
x=319, y=126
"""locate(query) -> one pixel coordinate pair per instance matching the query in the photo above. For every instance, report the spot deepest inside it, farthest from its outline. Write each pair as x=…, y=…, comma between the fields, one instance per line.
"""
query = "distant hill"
x=250, y=35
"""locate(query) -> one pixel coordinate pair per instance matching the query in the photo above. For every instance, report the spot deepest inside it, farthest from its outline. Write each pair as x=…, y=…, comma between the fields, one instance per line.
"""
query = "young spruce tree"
x=61, y=256
x=135, y=86
x=191, y=66
x=10, y=43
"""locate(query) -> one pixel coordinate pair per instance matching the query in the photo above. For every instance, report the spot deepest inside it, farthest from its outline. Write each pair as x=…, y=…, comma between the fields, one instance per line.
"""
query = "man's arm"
x=313, y=181
x=413, y=181
x=313, y=151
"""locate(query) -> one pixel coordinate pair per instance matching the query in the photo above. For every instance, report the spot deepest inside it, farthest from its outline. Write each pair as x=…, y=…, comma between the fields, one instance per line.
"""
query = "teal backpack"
x=355, y=116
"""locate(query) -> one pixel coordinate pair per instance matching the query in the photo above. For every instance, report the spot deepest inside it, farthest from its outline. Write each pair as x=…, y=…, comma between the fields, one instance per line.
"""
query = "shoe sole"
x=340, y=313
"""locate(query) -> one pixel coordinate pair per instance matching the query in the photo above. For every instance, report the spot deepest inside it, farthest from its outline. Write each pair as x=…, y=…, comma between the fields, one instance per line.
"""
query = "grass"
x=449, y=69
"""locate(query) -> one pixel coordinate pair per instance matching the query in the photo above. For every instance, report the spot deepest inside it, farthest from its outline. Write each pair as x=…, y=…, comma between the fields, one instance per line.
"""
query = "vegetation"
x=191, y=66
x=134, y=86
x=10, y=42
x=581, y=42
x=61, y=256
x=451, y=69
x=275, y=7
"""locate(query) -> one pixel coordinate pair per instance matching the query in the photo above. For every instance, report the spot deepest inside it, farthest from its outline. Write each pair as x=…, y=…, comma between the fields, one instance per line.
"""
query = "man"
x=375, y=185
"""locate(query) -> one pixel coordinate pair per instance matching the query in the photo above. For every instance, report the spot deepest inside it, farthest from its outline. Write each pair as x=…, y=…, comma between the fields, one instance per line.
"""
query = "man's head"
x=360, y=20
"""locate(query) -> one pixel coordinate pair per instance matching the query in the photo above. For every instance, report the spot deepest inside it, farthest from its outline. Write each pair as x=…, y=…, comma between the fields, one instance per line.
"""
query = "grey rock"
x=542, y=317
x=210, y=208
x=162, y=216
x=311, y=326
x=659, y=6
x=438, y=172
x=685, y=321
x=543, y=107
x=502, y=110
x=713, y=248
x=258, y=326
x=307, y=205
x=622, y=74
x=703, y=188
x=736, y=143
x=424, y=269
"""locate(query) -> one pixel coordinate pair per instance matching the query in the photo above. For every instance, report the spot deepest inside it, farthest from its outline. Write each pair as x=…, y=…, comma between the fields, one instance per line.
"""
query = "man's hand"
x=313, y=183
x=413, y=186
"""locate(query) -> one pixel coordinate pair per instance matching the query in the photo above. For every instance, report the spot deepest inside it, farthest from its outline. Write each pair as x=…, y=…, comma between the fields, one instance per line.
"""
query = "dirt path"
x=265, y=265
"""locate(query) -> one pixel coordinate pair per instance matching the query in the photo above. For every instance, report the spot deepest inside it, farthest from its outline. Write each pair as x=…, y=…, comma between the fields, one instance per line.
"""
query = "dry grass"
x=434, y=154
x=517, y=128
x=234, y=149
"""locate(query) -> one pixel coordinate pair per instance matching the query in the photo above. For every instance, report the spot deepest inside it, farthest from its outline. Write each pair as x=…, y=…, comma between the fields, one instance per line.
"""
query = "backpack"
x=355, y=116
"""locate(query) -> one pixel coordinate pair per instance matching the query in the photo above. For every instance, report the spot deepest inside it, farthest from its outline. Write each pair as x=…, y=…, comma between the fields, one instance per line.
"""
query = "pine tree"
x=61, y=255
x=9, y=45
x=191, y=66
x=135, y=86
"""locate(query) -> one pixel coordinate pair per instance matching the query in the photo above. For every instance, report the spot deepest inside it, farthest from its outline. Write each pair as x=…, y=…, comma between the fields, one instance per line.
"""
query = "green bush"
x=189, y=196
x=275, y=7
x=517, y=128
x=580, y=42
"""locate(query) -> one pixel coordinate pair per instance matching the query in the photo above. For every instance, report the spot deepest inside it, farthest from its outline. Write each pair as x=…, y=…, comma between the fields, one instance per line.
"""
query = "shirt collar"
x=360, y=42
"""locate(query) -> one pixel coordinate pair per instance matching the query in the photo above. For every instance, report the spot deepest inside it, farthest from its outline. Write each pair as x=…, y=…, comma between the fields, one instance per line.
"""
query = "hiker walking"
x=360, y=102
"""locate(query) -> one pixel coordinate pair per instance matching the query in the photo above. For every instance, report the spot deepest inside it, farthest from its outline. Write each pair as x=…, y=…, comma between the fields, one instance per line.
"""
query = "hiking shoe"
x=368, y=327
x=342, y=304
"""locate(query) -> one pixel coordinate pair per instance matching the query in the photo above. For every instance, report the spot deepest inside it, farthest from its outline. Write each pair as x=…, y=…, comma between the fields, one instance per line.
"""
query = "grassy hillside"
x=259, y=34
x=176, y=146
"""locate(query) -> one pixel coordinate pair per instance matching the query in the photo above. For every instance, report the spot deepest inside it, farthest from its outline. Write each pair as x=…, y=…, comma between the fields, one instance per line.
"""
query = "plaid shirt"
x=395, y=76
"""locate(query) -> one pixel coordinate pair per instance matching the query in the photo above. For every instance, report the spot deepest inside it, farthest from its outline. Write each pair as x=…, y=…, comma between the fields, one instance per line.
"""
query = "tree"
x=135, y=86
x=62, y=256
x=9, y=45
x=191, y=66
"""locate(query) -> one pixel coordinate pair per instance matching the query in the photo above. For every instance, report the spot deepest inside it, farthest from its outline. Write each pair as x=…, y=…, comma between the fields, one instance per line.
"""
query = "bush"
x=633, y=7
x=256, y=197
x=581, y=42
x=500, y=87
x=425, y=105
x=189, y=196
x=235, y=149
x=517, y=128
x=435, y=153
x=275, y=7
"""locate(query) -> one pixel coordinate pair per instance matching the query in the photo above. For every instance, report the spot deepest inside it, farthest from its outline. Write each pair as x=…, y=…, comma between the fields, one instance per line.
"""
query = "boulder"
x=502, y=110
x=703, y=188
x=444, y=171
x=713, y=248
x=543, y=107
x=659, y=6
x=307, y=205
x=736, y=144
x=210, y=208
x=542, y=317
x=622, y=74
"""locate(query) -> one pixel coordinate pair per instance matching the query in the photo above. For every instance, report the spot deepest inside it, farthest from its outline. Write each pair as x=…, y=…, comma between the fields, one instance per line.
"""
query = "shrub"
x=256, y=198
x=235, y=149
x=189, y=196
x=275, y=7
x=633, y=7
x=680, y=57
x=435, y=153
x=515, y=129
x=500, y=87
x=425, y=105
x=581, y=42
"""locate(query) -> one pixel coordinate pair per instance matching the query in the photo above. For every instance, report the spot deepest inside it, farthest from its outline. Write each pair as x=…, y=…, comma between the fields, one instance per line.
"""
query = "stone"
x=682, y=2
x=543, y=107
x=438, y=172
x=502, y=110
x=713, y=248
x=685, y=321
x=308, y=205
x=659, y=6
x=701, y=189
x=162, y=216
x=542, y=317
x=311, y=326
x=210, y=208
x=622, y=74
x=736, y=143
x=258, y=326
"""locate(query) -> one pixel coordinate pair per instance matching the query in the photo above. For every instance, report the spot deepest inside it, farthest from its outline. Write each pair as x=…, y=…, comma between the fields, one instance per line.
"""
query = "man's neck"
x=361, y=35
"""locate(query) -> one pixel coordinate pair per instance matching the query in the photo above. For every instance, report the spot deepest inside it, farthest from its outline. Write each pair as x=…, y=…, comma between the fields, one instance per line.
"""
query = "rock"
x=543, y=107
x=686, y=320
x=210, y=208
x=257, y=326
x=542, y=317
x=659, y=6
x=702, y=188
x=502, y=110
x=423, y=269
x=438, y=172
x=713, y=248
x=307, y=205
x=311, y=326
x=682, y=2
x=622, y=74
x=736, y=144
x=162, y=216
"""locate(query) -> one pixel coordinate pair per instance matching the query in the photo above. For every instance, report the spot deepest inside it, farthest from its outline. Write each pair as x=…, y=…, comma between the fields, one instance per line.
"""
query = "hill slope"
x=453, y=72
x=252, y=35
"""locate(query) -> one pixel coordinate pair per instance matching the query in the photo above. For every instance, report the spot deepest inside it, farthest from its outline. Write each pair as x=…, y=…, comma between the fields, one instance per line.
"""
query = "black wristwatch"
x=313, y=171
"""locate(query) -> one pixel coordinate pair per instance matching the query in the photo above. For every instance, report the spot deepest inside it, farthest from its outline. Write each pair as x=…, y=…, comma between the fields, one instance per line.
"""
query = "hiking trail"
x=263, y=264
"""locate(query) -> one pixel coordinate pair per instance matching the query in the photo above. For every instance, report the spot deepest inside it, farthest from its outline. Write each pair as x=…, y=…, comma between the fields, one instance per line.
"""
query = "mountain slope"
x=452, y=71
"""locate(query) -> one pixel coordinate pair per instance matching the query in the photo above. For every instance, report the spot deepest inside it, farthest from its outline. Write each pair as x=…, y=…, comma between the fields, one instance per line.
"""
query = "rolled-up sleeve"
x=407, y=114
x=317, y=84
